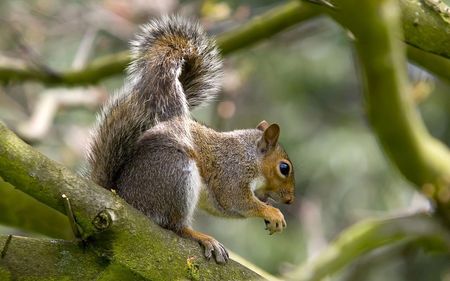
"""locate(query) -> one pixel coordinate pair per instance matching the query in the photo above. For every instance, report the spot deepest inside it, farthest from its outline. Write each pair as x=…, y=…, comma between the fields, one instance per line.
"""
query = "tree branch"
x=422, y=159
x=265, y=26
x=121, y=233
x=437, y=65
x=17, y=70
x=22, y=211
x=423, y=27
x=41, y=259
x=368, y=235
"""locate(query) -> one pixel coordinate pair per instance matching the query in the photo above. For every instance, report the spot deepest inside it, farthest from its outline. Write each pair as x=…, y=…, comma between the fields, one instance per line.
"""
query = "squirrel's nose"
x=289, y=200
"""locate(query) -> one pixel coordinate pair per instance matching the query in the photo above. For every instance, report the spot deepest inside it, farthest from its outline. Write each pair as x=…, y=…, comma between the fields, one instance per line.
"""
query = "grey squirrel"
x=161, y=161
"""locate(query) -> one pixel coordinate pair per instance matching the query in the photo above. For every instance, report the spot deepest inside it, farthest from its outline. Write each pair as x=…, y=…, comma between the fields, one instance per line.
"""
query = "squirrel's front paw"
x=211, y=246
x=274, y=221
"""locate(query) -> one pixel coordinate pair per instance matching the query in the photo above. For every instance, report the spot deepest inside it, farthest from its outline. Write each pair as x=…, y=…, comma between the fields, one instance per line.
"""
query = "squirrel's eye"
x=284, y=168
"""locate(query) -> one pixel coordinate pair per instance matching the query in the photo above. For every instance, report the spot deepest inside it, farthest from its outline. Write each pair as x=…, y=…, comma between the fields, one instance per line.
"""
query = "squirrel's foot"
x=210, y=245
x=274, y=220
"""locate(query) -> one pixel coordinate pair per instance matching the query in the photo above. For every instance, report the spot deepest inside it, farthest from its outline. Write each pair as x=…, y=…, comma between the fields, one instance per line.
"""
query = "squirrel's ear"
x=270, y=138
x=263, y=125
x=271, y=134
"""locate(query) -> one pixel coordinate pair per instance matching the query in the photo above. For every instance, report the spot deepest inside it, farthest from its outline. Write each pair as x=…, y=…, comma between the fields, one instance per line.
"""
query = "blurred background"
x=305, y=79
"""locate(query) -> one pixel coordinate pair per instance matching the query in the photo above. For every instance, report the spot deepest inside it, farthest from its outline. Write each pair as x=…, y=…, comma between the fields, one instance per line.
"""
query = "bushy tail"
x=175, y=67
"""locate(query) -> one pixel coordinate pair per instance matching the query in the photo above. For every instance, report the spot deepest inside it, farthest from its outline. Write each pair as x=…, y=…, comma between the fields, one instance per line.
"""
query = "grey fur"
x=150, y=171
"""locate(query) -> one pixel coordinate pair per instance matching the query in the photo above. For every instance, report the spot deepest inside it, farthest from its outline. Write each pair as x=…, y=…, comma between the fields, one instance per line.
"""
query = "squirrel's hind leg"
x=161, y=181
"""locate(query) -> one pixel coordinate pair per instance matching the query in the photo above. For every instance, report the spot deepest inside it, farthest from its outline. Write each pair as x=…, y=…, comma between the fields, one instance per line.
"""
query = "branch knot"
x=103, y=220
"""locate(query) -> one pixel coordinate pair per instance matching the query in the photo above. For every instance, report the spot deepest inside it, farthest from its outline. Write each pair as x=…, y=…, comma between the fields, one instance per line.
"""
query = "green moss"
x=118, y=272
x=192, y=269
x=4, y=274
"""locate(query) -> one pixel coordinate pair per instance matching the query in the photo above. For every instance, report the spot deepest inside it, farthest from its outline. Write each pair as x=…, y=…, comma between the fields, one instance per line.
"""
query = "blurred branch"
x=48, y=103
x=376, y=260
x=379, y=259
x=437, y=65
x=265, y=26
x=368, y=235
x=17, y=70
x=121, y=233
x=257, y=29
x=85, y=48
x=31, y=57
x=422, y=159
x=423, y=27
x=21, y=211
x=426, y=32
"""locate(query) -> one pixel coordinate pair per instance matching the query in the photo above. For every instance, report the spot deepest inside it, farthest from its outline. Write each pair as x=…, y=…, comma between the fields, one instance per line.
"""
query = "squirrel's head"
x=277, y=182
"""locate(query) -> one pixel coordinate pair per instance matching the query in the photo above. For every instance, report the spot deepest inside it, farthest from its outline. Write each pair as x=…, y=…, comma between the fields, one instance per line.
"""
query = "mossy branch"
x=43, y=259
x=368, y=235
x=26, y=213
x=425, y=28
x=422, y=159
x=40, y=259
x=113, y=229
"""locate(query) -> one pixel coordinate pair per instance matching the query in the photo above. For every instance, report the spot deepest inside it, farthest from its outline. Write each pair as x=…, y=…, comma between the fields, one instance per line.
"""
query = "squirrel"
x=158, y=159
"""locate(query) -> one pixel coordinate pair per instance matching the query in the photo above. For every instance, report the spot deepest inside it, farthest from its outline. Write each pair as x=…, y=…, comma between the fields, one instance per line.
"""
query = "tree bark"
x=26, y=213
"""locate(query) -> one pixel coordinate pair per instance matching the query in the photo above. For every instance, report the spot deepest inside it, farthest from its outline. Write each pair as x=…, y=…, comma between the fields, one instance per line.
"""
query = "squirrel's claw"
x=224, y=257
x=213, y=246
x=210, y=245
x=208, y=251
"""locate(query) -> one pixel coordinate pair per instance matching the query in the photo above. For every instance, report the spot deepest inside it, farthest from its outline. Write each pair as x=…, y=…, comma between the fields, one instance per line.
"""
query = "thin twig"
x=71, y=216
x=6, y=246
